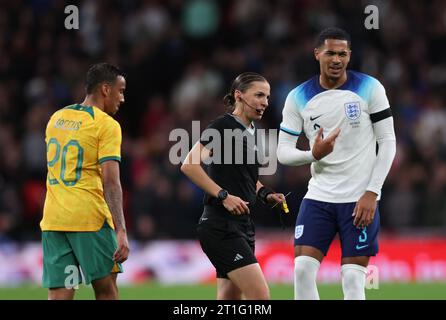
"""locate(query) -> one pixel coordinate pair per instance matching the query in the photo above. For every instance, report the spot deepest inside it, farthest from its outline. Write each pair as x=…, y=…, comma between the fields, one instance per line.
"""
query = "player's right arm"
x=192, y=168
x=291, y=128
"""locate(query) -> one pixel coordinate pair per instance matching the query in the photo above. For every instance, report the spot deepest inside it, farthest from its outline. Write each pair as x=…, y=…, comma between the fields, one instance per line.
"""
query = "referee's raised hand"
x=235, y=205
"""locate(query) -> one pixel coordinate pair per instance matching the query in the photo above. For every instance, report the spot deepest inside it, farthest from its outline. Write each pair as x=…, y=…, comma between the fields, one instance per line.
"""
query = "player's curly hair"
x=332, y=33
x=242, y=83
x=99, y=73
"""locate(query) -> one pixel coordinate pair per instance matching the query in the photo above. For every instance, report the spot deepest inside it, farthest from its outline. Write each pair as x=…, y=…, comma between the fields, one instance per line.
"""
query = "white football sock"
x=353, y=281
x=305, y=272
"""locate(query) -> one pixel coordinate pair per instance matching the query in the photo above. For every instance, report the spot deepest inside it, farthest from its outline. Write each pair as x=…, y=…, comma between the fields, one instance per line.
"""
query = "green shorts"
x=70, y=258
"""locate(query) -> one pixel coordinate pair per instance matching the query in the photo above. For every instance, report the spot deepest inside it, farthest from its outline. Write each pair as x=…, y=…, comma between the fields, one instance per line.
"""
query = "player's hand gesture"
x=364, y=211
x=323, y=147
x=122, y=251
x=235, y=205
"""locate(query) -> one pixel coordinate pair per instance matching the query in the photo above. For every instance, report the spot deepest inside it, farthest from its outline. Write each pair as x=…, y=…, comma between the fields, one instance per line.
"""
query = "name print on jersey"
x=70, y=125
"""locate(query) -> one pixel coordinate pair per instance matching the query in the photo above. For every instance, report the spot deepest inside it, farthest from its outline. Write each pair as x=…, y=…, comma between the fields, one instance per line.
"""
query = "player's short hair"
x=242, y=83
x=99, y=73
x=332, y=33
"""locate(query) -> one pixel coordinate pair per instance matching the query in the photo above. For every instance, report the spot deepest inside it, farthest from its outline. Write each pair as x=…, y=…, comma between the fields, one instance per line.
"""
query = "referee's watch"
x=222, y=195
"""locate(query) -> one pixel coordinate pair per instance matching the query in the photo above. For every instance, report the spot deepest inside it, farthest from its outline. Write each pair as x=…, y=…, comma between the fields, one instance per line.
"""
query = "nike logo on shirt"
x=358, y=247
x=314, y=118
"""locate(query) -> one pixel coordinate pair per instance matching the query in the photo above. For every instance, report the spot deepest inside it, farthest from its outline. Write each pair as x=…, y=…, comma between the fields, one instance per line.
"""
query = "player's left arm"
x=113, y=197
x=383, y=128
x=109, y=156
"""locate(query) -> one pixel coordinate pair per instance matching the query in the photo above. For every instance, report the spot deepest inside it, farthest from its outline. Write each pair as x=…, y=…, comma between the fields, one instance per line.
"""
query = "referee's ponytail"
x=229, y=101
x=241, y=83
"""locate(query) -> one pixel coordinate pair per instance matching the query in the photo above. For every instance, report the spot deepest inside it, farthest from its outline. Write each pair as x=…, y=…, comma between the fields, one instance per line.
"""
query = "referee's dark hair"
x=332, y=33
x=99, y=73
x=241, y=83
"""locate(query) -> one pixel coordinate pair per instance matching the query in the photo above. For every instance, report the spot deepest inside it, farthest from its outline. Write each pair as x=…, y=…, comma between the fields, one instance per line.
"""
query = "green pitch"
x=154, y=291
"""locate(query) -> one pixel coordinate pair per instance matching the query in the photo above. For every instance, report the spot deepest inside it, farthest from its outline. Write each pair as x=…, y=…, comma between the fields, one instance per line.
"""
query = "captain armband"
x=378, y=116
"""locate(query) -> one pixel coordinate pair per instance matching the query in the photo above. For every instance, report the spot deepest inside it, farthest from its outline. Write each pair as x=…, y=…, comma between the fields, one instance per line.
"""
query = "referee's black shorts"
x=228, y=243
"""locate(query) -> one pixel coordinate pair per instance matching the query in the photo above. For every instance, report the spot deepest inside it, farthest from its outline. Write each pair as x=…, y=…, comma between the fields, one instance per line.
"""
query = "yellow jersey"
x=78, y=139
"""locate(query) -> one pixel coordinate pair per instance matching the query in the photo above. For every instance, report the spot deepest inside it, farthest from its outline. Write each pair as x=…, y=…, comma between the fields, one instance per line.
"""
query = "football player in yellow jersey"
x=83, y=225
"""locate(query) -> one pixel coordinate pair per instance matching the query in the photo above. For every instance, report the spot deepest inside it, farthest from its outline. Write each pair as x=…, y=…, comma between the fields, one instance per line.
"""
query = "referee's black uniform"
x=228, y=239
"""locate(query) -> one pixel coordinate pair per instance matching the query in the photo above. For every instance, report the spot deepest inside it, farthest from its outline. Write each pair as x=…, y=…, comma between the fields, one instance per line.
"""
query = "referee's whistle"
x=285, y=207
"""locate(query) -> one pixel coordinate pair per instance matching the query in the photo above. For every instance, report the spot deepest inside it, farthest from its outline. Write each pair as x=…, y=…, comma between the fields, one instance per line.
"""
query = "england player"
x=345, y=115
x=83, y=223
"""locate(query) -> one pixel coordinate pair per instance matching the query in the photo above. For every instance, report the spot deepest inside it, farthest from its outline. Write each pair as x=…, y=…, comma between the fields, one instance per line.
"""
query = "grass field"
x=152, y=291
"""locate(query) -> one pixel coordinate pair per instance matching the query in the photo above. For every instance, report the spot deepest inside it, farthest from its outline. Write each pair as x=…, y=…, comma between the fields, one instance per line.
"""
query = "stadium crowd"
x=177, y=55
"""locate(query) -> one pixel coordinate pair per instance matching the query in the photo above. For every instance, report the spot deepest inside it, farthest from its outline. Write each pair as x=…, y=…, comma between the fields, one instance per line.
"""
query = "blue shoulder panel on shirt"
x=307, y=90
x=359, y=83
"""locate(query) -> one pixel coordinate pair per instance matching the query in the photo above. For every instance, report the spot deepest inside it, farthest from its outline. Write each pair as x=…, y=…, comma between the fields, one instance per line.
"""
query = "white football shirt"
x=344, y=174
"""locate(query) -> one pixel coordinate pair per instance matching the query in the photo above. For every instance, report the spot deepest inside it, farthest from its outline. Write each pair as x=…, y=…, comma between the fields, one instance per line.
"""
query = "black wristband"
x=263, y=193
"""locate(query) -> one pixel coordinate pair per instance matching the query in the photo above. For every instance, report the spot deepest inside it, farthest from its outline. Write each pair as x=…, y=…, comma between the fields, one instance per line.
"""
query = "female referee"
x=225, y=230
